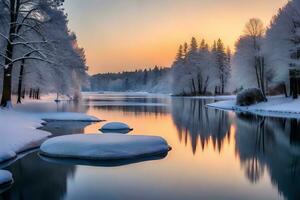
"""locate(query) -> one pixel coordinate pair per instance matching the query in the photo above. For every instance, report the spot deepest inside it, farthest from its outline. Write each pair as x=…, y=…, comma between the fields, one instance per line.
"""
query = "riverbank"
x=277, y=106
x=19, y=130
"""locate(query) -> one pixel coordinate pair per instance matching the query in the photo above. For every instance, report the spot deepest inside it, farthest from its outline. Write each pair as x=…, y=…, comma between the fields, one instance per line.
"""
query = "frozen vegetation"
x=117, y=127
x=5, y=177
x=104, y=146
x=36, y=61
x=278, y=106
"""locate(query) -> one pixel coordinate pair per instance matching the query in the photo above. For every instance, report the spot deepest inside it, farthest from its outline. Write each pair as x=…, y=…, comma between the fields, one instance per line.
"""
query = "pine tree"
x=179, y=55
x=221, y=64
x=185, y=49
x=193, y=46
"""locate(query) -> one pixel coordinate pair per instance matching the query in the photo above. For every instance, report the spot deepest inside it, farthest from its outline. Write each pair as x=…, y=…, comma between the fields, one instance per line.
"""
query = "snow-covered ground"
x=278, y=106
x=104, y=146
x=19, y=133
x=5, y=177
x=66, y=116
x=221, y=97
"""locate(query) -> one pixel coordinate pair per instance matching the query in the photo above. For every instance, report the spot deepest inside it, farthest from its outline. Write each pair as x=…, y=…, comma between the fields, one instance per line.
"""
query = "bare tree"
x=22, y=33
x=255, y=29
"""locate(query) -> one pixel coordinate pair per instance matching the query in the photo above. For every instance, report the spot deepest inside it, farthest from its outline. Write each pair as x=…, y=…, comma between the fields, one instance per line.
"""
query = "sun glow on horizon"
x=130, y=34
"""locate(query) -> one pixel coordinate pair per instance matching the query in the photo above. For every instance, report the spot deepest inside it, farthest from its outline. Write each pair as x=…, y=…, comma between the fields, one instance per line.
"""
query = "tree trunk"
x=20, y=82
x=30, y=93
x=6, y=87
x=205, y=85
x=199, y=84
x=256, y=72
x=284, y=90
x=194, y=87
x=23, y=94
x=38, y=94
x=6, y=91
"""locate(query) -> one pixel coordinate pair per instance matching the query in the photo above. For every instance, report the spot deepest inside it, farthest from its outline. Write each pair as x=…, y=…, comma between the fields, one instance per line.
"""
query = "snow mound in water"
x=67, y=116
x=116, y=127
x=104, y=147
x=5, y=177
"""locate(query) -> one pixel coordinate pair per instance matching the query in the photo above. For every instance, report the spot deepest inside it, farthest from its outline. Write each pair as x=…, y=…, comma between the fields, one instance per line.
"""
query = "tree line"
x=265, y=57
x=268, y=57
x=201, y=69
x=149, y=80
x=37, y=50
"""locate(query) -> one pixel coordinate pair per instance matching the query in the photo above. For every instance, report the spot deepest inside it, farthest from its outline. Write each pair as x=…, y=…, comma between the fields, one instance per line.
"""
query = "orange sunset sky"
x=130, y=34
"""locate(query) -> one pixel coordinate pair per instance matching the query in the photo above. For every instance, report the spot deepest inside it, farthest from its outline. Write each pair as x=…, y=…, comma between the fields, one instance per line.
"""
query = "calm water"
x=216, y=155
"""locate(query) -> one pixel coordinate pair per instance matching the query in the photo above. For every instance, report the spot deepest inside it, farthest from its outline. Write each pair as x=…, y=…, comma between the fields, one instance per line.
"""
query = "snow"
x=118, y=127
x=220, y=97
x=5, y=177
x=104, y=146
x=19, y=133
x=278, y=106
x=66, y=116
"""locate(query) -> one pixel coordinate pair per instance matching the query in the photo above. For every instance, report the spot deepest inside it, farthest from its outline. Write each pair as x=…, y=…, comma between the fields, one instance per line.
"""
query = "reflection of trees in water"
x=137, y=110
x=272, y=144
x=36, y=179
x=193, y=119
x=64, y=106
x=65, y=127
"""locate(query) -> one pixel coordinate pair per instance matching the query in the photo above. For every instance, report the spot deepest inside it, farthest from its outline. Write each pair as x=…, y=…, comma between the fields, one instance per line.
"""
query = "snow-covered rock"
x=104, y=146
x=115, y=127
x=66, y=116
x=249, y=97
x=5, y=177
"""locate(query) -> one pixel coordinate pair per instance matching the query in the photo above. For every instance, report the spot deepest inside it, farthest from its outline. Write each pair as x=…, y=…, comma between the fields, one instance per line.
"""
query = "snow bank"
x=221, y=97
x=66, y=116
x=18, y=133
x=275, y=107
x=116, y=127
x=104, y=146
x=5, y=177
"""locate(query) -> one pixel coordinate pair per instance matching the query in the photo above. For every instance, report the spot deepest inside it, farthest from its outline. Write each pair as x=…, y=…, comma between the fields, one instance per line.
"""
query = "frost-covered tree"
x=282, y=43
x=39, y=48
x=223, y=67
x=197, y=72
x=20, y=29
x=248, y=61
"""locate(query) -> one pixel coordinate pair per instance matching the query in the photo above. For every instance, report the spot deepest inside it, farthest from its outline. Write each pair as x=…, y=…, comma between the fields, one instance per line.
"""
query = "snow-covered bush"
x=249, y=97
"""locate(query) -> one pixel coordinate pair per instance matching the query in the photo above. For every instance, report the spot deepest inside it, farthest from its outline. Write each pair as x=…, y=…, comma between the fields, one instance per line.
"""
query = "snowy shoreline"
x=20, y=133
x=277, y=106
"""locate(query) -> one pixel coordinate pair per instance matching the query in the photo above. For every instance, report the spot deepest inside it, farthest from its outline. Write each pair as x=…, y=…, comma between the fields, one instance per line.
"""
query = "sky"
x=123, y=35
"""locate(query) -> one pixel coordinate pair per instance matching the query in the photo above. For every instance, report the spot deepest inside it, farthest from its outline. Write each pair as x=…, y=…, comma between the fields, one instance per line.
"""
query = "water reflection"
x=272, y=145
x=116, y=163
x=191, y=117
x=36, y=179
x=65, y=127
x=213, y=152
